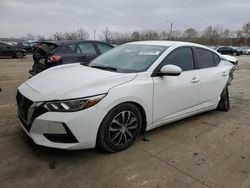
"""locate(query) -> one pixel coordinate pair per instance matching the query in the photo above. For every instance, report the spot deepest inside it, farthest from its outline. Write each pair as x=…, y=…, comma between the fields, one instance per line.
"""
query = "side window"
x=183, y=58
x=205, y=58
x=216, y=59
x=72, y=47
x=2, y=45
x=103, y=47
x=86, y=48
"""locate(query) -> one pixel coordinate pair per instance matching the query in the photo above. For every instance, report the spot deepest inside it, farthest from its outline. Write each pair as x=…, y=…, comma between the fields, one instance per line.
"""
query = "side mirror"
x=8, y=47
x=170, y=70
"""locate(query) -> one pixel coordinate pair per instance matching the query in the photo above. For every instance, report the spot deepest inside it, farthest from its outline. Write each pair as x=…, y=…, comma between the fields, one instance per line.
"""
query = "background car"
x=228, y=51
x=13, y=51
x=130, y=89
x=52, y=53
x=247, y=51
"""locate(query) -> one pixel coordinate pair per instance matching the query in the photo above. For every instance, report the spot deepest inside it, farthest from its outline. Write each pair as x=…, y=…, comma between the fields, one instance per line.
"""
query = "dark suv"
x=13, y=51
x=228, y=51
x=51, y=53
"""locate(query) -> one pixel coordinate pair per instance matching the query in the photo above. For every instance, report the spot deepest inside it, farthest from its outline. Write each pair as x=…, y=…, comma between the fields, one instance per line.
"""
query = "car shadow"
x=55, y=156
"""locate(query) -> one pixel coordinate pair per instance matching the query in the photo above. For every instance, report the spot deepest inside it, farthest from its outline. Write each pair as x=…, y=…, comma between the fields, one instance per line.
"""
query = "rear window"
x=86, y=48
x=72, y=47
x=216, y=59
x=205, y=58
x=103, y=47
x=2, y=45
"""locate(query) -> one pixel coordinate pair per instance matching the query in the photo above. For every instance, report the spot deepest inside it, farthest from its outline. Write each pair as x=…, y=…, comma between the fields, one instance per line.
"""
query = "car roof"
x=166, y=43
x=59, y=43
x=172, y=43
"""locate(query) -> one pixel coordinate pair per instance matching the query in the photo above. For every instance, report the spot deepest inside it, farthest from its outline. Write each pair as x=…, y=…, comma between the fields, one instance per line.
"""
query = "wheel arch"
x=143, y=116
x=140, y=108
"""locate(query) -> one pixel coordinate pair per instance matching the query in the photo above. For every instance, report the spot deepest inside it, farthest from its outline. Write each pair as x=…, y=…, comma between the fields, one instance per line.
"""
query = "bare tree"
x=82, y=34
x=246, y=32
x=135, y=36
x=57, y=36
x=211, y=35
x=176, y=34
x=29, y=36
x=106, y=35
x=70, y=36
x=150, y=35
x=40, y=38
x=190, y=33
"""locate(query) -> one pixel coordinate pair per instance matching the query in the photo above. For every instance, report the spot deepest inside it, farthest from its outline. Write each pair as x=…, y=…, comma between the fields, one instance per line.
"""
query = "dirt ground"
x=208, y=150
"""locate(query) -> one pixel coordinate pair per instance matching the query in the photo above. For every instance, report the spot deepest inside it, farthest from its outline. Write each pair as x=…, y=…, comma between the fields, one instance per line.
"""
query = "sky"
x=45, y=17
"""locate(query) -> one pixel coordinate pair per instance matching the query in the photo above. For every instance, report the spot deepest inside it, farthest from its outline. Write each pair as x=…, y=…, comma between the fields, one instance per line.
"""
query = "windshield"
x=129, y=58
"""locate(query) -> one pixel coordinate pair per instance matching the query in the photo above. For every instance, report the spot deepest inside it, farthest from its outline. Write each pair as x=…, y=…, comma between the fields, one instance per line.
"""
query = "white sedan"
x=129, y=90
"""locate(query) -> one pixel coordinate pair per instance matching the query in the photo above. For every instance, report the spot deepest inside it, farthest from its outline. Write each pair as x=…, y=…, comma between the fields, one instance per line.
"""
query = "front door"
x=176, y=95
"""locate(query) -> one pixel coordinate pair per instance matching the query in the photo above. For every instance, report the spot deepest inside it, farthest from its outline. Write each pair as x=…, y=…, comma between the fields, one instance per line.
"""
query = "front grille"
x=37, y=112
x=23, y=105
x=26, y=106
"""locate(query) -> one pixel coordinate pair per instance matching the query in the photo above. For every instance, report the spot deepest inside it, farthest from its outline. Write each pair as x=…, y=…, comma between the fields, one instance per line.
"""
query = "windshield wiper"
x=104, y=67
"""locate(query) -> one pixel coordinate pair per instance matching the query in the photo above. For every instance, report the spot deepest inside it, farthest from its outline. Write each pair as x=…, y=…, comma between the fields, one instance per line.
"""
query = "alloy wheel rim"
x=19, y=54
x=123, y=128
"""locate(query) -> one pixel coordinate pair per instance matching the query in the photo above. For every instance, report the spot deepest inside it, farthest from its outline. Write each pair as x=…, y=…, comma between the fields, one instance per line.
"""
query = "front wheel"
x=19, y=55
x=224, y=104
x=119, y=128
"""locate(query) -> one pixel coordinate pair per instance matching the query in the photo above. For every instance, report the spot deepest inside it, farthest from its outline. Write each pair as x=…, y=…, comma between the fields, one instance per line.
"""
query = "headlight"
x=73, y=104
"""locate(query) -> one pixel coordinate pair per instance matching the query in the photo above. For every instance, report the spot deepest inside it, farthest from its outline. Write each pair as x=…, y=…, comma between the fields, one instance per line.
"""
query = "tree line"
x=212, y=35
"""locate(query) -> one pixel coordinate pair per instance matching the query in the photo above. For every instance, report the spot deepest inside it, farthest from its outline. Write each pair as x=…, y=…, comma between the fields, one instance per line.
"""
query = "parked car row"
x=231, y=50
x=52, y=53
x=12, y=51
x=30, y=47
x=226, y=50
x=126, y=91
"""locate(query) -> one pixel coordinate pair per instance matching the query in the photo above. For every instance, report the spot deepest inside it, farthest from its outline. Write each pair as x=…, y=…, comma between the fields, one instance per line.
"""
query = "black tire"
x=224, y=104
x=19, y=55
x=118, y=129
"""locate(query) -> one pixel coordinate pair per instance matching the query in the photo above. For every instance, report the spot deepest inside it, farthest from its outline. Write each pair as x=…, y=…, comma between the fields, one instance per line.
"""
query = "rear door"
x=5, y=50
x=86, y=52
x=212, y=77
x=176, y=95
x=1, y=49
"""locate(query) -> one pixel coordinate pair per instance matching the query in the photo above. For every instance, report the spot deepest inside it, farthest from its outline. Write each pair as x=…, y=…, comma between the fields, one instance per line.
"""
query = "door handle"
x=195, y=79
x=224, y=73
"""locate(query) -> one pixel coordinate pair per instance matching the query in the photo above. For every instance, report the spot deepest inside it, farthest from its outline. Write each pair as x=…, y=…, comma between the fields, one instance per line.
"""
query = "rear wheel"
x=235, y=54
x=19, y=55
x=224, y=104
x=119, y=128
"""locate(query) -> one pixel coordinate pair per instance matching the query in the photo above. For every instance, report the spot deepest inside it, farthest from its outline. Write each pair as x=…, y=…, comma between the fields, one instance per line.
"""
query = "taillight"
x=55, y=58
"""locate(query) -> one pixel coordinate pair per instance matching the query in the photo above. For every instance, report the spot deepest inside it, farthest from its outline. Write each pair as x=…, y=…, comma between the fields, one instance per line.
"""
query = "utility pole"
x=171, y=29
x=94, y=32
x=106, y=34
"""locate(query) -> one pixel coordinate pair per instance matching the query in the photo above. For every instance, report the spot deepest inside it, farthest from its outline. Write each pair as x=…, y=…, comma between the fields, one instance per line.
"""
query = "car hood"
x=71, y=81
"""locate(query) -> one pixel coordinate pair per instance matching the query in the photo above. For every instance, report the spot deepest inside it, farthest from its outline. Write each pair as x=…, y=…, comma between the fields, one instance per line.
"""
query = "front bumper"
x=64, y=130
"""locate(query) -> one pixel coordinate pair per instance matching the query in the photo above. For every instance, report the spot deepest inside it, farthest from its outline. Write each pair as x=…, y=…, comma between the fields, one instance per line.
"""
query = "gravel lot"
x=208, y=150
